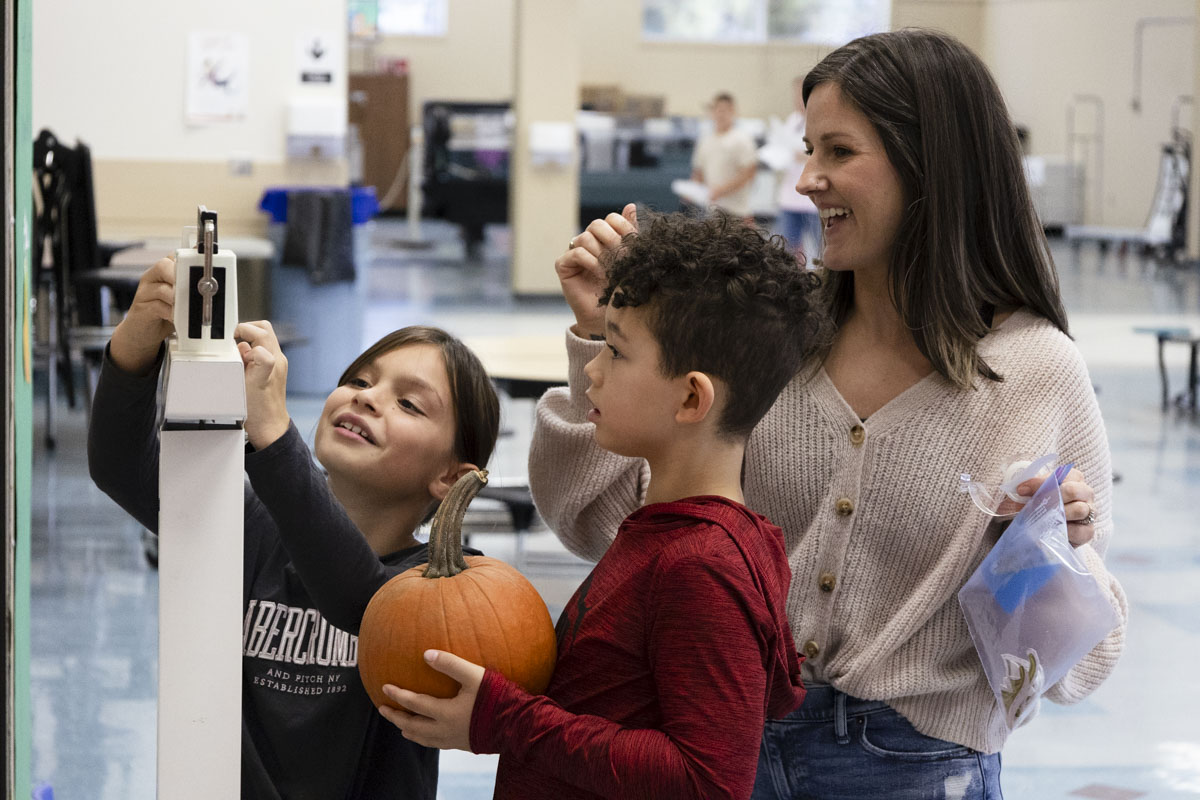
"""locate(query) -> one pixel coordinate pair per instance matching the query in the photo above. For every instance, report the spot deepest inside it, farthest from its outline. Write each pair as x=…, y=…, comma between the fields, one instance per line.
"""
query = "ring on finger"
x=1090, y=519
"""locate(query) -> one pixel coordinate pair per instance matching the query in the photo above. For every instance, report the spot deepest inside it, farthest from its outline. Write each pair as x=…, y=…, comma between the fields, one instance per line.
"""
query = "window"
x=399, y=17
x=704, y=20
x=829, y=22
x=833, y=22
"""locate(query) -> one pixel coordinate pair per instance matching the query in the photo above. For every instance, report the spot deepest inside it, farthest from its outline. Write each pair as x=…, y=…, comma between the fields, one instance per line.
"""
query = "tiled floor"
x=94, y=596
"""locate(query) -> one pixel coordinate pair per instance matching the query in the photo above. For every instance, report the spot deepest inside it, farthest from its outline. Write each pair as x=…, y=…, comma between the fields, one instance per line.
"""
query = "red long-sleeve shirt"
x=672, y=653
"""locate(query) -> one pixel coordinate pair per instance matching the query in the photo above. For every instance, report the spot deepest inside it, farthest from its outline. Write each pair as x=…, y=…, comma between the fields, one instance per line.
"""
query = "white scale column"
x=200, y=520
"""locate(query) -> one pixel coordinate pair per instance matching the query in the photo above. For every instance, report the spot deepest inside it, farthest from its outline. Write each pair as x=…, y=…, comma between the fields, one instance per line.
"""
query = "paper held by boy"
x=200, y=523
x=692, y=192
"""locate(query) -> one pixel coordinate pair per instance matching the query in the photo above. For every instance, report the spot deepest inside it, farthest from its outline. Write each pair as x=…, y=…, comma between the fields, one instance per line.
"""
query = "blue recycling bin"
x=325, y=319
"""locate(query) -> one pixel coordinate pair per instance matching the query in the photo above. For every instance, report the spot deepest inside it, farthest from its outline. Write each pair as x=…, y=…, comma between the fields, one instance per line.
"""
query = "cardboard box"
x=644, y=106
x=600, y=98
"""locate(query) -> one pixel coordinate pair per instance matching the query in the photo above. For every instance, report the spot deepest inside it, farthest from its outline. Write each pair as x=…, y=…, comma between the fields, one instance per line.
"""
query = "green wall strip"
x=23, y=390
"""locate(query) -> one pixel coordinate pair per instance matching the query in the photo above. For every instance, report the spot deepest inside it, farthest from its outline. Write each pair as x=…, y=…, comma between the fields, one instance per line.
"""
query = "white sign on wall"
x=319, y=57
x=218, y=77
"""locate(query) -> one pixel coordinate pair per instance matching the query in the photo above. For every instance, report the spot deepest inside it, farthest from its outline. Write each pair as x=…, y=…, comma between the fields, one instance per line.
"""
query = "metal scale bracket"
x=204, y=383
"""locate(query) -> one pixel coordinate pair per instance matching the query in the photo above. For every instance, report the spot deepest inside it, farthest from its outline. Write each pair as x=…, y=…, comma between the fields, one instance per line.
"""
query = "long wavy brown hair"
x=970, y=239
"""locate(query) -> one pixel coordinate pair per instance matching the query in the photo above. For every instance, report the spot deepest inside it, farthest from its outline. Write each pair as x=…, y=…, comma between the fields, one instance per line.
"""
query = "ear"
x=442, y=484
x=700, y=398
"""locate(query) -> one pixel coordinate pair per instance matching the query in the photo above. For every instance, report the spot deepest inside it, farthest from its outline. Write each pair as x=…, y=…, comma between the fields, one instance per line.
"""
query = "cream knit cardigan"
x=880, y=510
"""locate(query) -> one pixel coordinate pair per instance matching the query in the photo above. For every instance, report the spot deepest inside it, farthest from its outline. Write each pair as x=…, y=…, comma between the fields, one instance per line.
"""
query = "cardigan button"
x=858, y=435
x=812, y=649
x=844, y=507
x=827, y=581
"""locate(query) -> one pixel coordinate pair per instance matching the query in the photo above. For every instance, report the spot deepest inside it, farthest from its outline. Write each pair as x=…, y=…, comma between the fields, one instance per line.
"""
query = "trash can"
x=320, y=316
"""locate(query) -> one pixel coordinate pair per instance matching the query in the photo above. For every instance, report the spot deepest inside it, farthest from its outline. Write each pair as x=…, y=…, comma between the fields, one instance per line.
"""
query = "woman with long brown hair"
x=951, y=355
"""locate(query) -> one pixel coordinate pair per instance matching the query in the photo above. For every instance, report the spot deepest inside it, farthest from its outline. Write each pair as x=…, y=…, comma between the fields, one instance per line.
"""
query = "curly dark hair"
x=722, y=299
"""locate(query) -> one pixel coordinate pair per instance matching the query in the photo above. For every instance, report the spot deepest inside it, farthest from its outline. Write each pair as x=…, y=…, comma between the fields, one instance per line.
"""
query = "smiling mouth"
x=832, y=216
x=355, y=429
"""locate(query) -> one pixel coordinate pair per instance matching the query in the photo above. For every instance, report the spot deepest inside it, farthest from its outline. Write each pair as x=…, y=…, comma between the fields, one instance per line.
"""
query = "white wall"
x=1045, y=52
x=543, y=200
x=113, y=74
x=688, y=75
x=960, y=18
x=472, y=62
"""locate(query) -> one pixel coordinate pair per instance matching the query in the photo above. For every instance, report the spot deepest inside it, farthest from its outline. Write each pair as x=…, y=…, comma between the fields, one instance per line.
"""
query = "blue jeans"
x=836, y=747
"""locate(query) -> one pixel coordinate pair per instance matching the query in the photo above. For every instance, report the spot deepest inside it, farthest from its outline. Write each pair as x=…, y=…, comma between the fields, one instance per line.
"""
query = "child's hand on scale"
x=266, y=382
x=150, y=319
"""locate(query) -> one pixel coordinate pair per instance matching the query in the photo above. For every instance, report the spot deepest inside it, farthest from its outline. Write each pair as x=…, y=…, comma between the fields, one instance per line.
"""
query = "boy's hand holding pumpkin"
x=433, y=721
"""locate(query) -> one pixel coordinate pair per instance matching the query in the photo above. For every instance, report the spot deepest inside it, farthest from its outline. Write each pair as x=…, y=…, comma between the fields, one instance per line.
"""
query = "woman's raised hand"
x=150, y=319
x=266, y=383
x=579, y=271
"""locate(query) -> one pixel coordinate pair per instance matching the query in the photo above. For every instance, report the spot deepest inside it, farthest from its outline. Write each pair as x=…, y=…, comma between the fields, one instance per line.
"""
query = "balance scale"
x=201, y=503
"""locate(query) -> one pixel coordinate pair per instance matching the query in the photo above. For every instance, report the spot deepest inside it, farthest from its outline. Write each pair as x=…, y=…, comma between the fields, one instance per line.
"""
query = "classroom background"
x=453, y=147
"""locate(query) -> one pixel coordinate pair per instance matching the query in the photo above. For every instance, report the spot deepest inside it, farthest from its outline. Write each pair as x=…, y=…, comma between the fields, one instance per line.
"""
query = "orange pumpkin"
x=478, y=608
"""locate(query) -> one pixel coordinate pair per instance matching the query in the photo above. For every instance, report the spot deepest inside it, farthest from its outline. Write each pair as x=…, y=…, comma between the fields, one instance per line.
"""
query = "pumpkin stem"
x=445, y=537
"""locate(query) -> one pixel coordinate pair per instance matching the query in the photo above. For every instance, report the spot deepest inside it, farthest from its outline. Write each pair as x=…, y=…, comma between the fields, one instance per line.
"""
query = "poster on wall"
x=218, y=77
x=318, y=58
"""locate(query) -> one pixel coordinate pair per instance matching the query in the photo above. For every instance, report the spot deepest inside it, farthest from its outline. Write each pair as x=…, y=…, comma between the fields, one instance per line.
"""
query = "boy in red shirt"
x=676, y=648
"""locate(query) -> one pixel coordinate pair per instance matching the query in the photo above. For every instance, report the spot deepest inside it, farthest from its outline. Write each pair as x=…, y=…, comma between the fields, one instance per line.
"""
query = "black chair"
x=463, y=185
x=66, y=223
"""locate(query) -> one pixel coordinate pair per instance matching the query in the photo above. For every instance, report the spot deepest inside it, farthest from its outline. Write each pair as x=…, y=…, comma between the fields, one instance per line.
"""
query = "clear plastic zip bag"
x=1032, y=607
x=997, y=496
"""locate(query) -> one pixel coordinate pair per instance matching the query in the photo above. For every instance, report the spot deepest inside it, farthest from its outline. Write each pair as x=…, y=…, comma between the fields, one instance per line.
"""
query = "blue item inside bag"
x=1011, y=590
x=1032, y=607
x=1016, y=573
